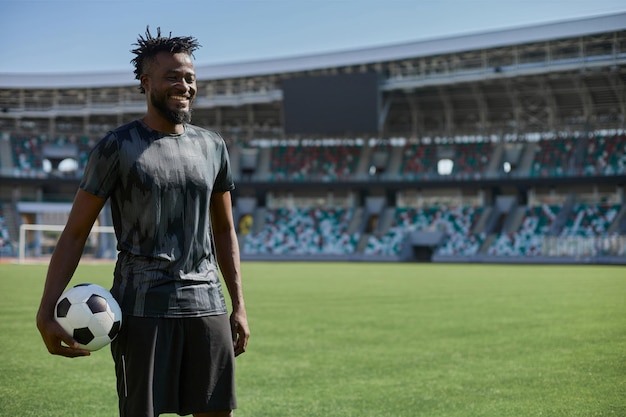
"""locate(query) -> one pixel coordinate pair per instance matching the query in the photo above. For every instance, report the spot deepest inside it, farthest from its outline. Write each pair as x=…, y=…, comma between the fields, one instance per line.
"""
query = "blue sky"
x=96, y=35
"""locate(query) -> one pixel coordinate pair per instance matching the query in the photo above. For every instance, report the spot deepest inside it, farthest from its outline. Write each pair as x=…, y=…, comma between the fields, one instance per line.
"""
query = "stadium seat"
x=606, y=155
x=5, y=239
x=590, y=219
x=527, y=239
x=303, y=231
x=455, y=222
x=470, y=159
x=316, y=162
x=553, y=157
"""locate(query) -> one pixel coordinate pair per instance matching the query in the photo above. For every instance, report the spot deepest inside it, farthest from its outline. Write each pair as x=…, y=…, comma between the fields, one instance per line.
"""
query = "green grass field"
x=357, y=339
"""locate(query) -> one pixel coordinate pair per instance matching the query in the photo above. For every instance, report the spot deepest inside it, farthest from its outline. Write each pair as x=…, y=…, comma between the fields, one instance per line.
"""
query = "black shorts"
x=179, y=366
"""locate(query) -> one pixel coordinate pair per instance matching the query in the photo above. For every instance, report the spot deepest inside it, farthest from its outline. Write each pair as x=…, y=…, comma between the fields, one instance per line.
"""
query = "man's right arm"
x=65, y=258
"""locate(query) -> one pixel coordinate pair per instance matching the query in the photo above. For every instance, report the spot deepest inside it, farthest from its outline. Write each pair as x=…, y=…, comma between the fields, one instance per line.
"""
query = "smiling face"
x=170, y=84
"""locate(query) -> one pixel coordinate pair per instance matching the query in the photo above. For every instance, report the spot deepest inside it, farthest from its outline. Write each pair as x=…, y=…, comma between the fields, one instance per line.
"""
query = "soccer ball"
x=90, y=314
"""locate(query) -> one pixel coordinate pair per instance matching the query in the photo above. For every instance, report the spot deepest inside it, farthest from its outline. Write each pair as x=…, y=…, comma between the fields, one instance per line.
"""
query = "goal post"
x=55, y=230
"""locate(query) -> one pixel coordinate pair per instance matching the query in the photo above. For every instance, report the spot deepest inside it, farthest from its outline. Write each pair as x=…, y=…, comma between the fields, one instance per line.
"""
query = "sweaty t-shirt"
x=160, y=187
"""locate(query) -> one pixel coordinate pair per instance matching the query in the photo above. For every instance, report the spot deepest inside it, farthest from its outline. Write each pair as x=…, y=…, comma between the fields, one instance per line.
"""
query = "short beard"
x=176, y=117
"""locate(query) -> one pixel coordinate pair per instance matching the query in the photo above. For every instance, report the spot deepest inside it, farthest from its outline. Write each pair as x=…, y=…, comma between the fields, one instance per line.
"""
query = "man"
x=169, y=184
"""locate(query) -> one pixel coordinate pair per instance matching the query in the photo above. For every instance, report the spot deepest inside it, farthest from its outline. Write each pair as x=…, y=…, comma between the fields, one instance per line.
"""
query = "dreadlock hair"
x=149, y=46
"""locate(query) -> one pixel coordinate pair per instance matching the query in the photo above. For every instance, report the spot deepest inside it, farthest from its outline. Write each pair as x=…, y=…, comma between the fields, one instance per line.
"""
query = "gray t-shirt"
x=160, y=188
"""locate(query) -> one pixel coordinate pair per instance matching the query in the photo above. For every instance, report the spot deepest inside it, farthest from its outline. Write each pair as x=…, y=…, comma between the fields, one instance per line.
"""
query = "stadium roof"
x=459, y=43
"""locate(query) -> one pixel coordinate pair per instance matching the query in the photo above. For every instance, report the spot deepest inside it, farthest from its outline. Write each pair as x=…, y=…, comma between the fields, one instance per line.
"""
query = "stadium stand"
x=6, y=243
x=511, y=145
x=41, y=155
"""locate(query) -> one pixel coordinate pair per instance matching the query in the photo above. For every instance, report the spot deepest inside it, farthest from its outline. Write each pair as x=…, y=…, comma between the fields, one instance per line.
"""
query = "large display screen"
x=331, y=104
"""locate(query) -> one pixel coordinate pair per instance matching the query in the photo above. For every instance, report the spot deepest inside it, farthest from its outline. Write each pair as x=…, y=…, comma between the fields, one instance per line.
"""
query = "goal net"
x=37, y=242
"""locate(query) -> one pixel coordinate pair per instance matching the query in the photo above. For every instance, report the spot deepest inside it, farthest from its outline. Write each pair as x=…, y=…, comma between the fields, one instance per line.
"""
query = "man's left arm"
x=227, y=252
